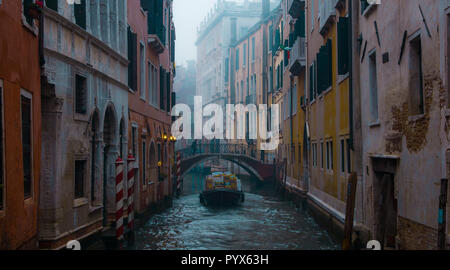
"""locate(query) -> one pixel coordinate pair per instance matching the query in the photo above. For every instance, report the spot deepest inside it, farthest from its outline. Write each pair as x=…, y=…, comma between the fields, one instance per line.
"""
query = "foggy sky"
x=188, y=14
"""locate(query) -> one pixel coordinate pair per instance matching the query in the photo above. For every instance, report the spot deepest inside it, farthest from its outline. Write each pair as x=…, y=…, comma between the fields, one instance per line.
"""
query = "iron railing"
x=249, y=150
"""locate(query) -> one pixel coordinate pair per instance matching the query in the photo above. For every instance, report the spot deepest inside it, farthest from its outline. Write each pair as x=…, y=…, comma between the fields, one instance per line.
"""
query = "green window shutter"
x=330, y=63
x=168, y=94
x=315, y=79
x=320, y=71
x=161, y=87
x=343, y=55
x=300, y=25
x=277, y=40
x=132, y=57
x=237, y=59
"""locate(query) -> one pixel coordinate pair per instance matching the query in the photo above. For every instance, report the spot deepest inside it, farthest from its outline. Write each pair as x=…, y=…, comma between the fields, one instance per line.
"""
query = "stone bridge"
x=242, y=155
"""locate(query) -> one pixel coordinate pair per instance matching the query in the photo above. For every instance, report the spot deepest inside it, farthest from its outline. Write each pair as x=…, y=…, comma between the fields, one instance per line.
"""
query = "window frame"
x=84, y=182
x=142, y=70
x=412, y=39
x=134, y=136
x=144, y=161
x=30, y=26
x=373, y=89
x=26, y=94
x=79, y=115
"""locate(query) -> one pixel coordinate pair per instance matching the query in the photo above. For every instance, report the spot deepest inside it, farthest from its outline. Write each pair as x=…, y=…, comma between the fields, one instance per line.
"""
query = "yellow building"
x=328, y=105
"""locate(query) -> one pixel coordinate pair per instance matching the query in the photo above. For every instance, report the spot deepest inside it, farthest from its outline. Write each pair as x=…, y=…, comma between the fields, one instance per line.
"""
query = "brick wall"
x=415, y=236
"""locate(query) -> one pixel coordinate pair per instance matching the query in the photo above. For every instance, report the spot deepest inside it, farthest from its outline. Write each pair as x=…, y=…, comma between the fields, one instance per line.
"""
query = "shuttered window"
x=132, y=58
x=324, y=68
x=80, y=14
x=80, y=173
x=237, y=59
x=227, y=69
x=133, y=140
x=416, y=105
x=162, y=82
x=26, y=114
x=343, y=46
x=253, y=49
x=168, y=94
x=80, y=94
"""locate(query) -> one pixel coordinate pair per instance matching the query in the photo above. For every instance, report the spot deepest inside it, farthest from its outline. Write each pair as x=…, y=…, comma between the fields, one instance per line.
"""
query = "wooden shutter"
x=329, y=48
x=168, y=95
x=343, y=46
x=162, y=80
x=320, y=73
x=174, y=100
x=132, y=58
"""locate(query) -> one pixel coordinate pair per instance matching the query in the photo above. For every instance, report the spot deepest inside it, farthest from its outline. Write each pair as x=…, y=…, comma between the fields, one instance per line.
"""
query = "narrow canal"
x=264, y=221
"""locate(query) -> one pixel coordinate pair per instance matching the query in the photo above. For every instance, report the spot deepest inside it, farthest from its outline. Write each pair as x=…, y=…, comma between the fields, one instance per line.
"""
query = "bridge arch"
x=193, y=162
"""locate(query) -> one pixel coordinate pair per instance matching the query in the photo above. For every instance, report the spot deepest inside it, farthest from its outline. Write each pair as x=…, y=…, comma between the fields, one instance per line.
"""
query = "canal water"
x=263, y=222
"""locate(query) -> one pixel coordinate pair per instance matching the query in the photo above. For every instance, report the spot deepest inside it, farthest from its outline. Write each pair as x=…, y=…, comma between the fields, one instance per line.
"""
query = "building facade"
x=215, y=36
x=402, y=82
x=151, y=71
x=84, y=117
x=20, y=123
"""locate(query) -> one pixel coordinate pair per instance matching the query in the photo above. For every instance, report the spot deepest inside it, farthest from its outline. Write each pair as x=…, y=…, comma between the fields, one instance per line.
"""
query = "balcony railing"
x=298, y=56
x=249, y=150
x=295, y=7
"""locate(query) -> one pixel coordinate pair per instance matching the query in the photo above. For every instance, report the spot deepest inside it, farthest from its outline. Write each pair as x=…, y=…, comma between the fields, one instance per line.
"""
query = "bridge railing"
x=249, y=150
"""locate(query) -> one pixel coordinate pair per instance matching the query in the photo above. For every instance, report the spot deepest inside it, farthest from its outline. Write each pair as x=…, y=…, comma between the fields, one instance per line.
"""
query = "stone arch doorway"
x=109, y=158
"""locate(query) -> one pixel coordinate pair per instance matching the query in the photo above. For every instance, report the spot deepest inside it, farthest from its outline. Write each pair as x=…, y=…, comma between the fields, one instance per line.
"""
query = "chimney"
x=265, y=8
x=233, y=30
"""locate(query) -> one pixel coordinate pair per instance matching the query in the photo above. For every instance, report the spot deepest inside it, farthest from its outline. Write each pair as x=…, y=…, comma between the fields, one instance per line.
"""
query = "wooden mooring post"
x=350, y=212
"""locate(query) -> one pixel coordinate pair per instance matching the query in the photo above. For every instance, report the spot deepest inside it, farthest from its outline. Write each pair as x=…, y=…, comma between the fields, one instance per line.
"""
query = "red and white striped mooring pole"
x=178, y=172
x=119, y=199
x=131, y=173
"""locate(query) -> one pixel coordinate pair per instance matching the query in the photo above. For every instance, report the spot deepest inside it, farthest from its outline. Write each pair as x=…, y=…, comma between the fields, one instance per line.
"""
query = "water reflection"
x=263, y=222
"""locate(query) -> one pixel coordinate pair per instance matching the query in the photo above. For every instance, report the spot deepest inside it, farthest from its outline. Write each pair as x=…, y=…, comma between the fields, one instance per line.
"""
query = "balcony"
x=295, y=7
x=157, y=34
x=327, y=14
x=298, y=57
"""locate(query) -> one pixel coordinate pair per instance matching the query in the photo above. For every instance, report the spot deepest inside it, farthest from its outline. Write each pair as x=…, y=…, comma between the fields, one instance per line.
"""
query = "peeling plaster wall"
x=415, y=140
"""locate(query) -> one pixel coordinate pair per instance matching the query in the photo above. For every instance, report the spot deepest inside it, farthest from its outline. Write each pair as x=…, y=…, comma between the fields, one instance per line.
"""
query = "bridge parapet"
x=248, y=157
